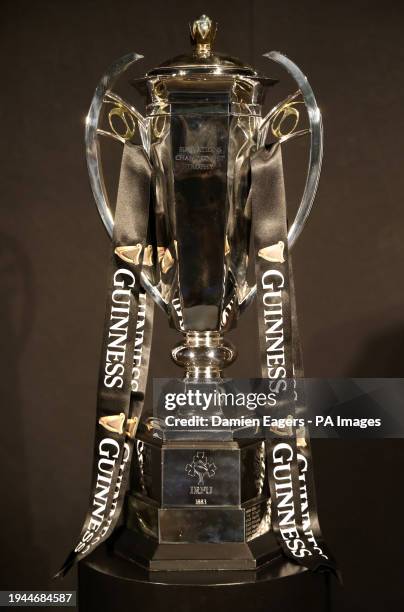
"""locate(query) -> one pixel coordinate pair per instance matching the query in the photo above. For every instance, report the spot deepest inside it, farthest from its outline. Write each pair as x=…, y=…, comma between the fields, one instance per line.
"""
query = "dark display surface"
x=116, y=584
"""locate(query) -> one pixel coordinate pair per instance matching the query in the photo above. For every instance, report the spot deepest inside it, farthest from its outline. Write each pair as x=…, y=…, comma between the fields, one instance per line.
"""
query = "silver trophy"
x=203, y=122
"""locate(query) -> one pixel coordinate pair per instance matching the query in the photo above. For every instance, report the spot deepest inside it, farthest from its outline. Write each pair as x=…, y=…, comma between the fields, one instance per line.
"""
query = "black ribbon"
x=125, y=360
x=124, y=357
x=289, y=462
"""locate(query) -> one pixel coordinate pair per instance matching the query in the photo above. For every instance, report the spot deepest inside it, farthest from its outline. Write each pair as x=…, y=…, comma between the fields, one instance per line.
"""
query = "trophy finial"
x=203, y=32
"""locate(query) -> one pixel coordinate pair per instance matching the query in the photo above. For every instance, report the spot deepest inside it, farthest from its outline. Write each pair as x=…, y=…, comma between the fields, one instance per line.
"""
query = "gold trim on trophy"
x=113, y=423
x=131, y=427
x=273, y=252
x=167, y=261
x=160, y=253
x=130, y=254
x=301, y=437
x=148, y=255
x=286, y=111
x=127, y=119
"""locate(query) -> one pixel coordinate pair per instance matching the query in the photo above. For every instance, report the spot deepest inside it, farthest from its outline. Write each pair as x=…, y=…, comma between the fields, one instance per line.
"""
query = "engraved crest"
x=201, y=467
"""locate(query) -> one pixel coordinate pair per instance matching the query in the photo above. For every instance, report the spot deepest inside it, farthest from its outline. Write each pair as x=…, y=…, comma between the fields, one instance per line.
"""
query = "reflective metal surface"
x=316, y=144
x=103, y=95
x=170, y=483
x=204, y=60
x=203, y=123
x=200, y=150
x=204, y=355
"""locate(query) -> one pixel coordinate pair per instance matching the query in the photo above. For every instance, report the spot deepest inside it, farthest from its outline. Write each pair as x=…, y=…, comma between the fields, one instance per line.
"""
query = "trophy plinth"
x=198, y=504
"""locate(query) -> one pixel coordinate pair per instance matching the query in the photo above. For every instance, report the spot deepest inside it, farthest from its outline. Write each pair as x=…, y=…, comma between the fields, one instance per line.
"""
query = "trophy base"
x=154, y=556
x=198, y=505
x=109, y=583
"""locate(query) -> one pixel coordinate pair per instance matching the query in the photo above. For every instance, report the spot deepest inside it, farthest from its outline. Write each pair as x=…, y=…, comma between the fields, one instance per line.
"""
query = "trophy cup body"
x=202, y=132
x=200, y=501
x=200, y=497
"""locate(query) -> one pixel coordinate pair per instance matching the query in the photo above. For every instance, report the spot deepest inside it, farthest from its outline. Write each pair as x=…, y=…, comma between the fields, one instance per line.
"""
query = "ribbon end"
x=66, y=567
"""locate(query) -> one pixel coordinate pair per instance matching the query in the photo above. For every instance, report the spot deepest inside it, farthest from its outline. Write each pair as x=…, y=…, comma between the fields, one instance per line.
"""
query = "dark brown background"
x=54, y=252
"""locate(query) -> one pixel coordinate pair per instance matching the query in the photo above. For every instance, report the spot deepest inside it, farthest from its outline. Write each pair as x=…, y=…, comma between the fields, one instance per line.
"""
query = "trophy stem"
x=204, y=355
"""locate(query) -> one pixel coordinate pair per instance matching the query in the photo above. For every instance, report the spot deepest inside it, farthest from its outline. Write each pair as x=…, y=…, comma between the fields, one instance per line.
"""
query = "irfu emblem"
x=201, y=467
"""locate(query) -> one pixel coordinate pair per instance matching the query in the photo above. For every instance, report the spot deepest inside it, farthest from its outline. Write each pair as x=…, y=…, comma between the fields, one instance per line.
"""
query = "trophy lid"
x=203, y=60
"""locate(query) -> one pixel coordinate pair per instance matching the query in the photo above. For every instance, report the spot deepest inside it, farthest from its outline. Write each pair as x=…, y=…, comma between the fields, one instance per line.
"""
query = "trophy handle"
x=274, y=119
x=130, y=118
